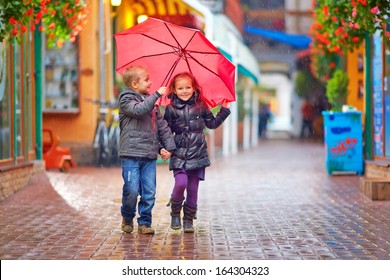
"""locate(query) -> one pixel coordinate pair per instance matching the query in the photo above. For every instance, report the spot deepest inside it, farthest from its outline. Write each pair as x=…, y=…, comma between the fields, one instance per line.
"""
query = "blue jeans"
x=139, y=176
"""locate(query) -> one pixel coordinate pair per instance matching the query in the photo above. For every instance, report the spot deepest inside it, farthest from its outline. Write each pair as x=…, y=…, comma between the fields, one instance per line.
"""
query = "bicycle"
x=106, y=139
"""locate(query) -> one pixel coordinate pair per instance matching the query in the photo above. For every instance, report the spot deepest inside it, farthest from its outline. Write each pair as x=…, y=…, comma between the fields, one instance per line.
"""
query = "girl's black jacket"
x=187, y=120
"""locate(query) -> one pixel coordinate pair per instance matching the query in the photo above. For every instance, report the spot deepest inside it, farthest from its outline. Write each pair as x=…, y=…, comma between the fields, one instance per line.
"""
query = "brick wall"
x=14, y=178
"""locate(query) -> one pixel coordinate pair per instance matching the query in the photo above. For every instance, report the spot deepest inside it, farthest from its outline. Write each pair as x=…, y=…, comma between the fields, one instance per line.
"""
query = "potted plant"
x=337, y=90
x=343, y=130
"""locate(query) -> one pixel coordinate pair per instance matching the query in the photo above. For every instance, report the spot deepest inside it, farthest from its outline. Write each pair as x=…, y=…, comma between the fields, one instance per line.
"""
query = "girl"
x=187, y=115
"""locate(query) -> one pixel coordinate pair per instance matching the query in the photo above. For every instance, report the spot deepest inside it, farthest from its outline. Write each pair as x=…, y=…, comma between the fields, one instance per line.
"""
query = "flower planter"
x=343, y=139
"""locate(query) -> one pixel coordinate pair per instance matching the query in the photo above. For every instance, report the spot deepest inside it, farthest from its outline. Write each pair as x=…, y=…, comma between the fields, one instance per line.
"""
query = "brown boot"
x=127, y=226
x=189, y=216
x=175, y=213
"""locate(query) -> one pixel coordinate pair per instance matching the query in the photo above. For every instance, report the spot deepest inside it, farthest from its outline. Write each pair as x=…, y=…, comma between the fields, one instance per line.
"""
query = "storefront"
x=376, y=182
x=52, y=89
x=17, y=114
x=380, y=80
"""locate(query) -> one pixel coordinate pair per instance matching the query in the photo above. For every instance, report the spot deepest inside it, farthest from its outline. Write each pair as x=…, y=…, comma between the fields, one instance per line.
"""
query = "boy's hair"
x=194, y=82
x=133, y=73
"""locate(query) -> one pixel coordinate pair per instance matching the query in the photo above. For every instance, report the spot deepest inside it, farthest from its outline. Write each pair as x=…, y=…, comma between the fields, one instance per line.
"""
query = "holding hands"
x=165, y=154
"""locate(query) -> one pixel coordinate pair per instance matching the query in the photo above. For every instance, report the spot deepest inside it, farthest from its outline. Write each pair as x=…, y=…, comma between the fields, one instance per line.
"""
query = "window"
x=61, y=90
x=5, y=104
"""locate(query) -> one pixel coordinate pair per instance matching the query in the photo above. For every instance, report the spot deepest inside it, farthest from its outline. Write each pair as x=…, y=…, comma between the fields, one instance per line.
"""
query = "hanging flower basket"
x=60, y=20
x=341, y=26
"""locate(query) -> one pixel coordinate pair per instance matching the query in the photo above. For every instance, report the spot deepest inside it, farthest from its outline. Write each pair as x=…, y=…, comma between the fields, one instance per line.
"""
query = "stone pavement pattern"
x=272, y=202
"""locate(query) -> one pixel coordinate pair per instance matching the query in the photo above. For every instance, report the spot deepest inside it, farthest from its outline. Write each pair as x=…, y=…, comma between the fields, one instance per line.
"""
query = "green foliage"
x=337, y=89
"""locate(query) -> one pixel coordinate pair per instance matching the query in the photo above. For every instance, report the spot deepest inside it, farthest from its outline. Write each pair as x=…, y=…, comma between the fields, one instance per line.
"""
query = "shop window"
x=386, y=85
x=18, y=100
x=61, y=79
x=5, y=104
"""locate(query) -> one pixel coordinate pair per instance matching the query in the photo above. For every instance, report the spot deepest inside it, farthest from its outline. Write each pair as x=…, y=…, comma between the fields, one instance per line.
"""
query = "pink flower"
x=354, y=12
x=374, y=10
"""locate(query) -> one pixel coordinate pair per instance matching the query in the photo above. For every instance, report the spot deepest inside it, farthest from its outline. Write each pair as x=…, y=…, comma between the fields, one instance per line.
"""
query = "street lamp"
x=141, y=18
x=116, y=2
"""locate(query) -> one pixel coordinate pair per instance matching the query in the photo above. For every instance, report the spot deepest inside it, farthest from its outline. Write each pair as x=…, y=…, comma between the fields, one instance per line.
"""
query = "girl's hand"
x=225, y=104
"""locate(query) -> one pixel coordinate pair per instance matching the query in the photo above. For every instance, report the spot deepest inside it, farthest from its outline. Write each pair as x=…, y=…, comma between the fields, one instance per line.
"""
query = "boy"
x=143, y=128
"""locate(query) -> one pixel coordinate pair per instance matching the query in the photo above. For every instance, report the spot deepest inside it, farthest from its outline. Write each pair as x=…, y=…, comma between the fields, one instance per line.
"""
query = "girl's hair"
x=133, y=73
x=195, y=84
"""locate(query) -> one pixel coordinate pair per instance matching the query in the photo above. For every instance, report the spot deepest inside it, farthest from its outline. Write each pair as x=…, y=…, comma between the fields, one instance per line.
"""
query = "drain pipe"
x=101, y=53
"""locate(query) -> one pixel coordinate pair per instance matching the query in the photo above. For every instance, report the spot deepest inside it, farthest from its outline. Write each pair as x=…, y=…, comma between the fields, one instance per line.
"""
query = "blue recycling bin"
x=343, y=137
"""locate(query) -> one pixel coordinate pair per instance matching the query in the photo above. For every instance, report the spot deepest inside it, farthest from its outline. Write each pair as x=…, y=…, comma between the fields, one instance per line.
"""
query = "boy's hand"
x=225, y=104
x=162, y=90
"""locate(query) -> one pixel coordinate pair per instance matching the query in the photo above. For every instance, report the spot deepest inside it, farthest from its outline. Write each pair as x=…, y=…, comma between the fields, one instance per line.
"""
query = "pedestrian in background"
x=143, y=128
x=187, y=115
x=264, y=116
x=307, y=111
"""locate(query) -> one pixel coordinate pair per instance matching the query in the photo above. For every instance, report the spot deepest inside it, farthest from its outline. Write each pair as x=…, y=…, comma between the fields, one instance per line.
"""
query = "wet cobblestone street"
x=275, y=201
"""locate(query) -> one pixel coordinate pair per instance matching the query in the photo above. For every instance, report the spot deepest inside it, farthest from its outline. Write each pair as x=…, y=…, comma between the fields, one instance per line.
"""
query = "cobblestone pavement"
x=271, y=202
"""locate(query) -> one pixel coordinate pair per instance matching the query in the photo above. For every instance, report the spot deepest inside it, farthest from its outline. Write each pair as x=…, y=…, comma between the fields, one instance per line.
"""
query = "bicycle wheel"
x=113, y=141
x=101, y=149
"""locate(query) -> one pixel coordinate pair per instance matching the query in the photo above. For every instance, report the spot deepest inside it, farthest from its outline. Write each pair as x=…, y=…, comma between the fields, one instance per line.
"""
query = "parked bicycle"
x=106, y=139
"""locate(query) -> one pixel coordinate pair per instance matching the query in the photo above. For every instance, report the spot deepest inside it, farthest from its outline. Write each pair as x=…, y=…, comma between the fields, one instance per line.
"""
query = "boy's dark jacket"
x=187, y=119
x=143, y=128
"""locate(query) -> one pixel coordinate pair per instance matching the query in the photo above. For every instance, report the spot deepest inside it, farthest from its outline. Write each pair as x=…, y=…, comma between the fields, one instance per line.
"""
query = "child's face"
x=183, y=88
x=143, y=84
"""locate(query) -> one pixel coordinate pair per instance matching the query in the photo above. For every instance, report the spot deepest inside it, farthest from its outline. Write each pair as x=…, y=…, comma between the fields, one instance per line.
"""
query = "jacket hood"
x=129, y=91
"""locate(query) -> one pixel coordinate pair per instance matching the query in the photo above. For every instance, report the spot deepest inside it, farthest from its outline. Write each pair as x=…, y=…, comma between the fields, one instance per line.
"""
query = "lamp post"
x=116, y=3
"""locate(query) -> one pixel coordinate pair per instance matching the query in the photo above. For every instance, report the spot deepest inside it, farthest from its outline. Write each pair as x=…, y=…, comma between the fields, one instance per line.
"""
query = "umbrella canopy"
x=166, y=49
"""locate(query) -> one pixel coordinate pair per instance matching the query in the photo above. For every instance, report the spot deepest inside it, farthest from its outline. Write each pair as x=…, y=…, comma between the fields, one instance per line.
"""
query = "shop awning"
x=175, y=11
x=296, y=41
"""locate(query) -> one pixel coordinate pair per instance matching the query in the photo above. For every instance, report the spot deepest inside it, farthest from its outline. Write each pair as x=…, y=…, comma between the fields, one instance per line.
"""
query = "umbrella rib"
x=201, y=64
x=161, y=42
x=189, y=41
x=152, y=55
x=200, y=52
x=169, y=30
x=170, y=72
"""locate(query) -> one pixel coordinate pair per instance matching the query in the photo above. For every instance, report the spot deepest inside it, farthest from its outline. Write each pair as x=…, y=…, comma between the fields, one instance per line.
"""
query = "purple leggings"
x=184, y=181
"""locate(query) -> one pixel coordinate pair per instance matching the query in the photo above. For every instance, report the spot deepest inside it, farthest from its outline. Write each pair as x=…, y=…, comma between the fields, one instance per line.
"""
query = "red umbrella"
x=167, y=49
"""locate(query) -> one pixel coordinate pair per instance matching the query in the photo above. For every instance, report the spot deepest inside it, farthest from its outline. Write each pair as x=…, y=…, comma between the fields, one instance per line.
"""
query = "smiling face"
x=184, y=88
